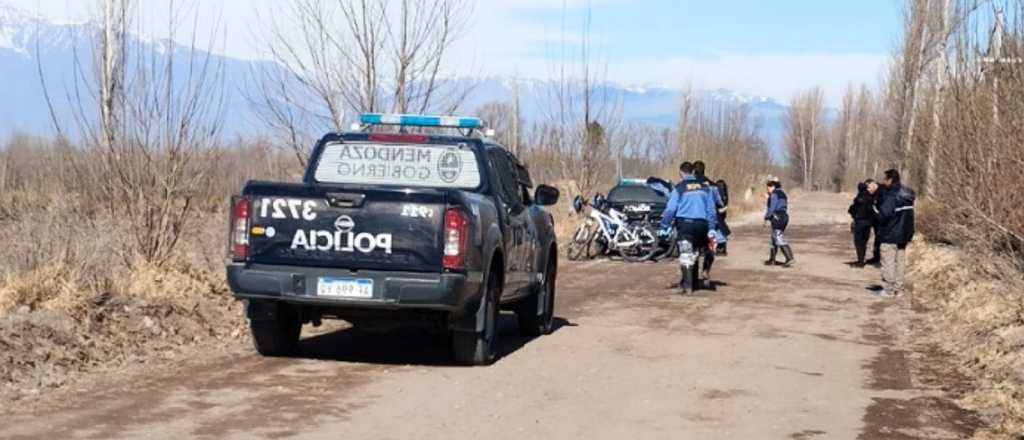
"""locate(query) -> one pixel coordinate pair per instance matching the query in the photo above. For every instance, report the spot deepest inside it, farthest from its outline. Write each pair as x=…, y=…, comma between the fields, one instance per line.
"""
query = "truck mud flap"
x=256, y=310
x=471, y=317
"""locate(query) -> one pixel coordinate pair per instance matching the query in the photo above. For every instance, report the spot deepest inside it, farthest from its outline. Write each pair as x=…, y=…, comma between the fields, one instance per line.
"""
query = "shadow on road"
x=406, y=346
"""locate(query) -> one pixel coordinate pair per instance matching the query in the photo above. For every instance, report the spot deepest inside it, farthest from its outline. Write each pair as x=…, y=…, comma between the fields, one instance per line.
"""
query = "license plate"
x=344, y=287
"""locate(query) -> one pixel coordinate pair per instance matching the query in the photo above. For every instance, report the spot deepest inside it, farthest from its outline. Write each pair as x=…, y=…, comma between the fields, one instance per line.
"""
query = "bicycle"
x=607, y=231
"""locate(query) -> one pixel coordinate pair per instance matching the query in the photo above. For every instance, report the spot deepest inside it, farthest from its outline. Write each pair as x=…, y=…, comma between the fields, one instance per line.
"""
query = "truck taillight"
x=241, y=208
x=456, y=227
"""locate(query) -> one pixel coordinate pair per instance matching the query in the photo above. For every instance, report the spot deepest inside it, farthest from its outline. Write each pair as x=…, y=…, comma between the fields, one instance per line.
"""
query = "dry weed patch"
x=975, y=310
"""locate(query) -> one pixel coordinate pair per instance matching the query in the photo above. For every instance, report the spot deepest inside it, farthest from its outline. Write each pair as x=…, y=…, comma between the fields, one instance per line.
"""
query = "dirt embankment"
x=64, y=320
x=973, y=308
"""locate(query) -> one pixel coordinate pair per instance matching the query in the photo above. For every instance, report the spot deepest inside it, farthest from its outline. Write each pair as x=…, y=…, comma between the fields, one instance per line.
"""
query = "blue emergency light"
x=633, y=181
x=420, y=120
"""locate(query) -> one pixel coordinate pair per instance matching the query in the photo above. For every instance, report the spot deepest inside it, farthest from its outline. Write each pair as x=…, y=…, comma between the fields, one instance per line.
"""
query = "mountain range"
x=30, y=45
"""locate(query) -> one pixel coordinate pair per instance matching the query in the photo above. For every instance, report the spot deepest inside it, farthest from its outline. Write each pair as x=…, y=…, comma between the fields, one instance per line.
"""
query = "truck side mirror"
x=546, y=195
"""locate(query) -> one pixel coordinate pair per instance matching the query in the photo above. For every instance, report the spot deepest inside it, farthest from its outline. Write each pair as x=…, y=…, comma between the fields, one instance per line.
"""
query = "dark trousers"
x=722, y=225
x=694, y=231
x=876, y=254
x=862, y=231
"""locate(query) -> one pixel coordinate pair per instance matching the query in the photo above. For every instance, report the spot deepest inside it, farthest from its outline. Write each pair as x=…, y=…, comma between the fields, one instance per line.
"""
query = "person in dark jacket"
x=862, y=211
x=723, y=212
x=777, y=215
x=896, y=230
x=876, y=195
x=699, y=171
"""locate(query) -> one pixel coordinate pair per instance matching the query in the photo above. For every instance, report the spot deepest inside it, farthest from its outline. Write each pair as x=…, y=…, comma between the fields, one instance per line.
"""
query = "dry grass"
x=57, y=321
x=76, y=296
x=976, y=311
x=67, y=316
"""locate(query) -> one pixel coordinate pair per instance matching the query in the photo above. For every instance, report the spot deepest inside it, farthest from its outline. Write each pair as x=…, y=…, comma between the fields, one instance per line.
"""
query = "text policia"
x=338, y=241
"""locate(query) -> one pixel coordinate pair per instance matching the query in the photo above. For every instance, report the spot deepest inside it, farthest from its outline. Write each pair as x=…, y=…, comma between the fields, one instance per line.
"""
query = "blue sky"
x=764, y=47
x=768, y=47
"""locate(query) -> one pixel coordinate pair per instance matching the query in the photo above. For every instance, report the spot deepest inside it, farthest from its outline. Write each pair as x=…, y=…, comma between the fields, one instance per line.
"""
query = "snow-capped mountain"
x=656, y=106
x=30, y=44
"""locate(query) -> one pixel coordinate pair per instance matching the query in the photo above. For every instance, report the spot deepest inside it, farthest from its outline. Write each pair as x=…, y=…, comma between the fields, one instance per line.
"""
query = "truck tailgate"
x=380, y=229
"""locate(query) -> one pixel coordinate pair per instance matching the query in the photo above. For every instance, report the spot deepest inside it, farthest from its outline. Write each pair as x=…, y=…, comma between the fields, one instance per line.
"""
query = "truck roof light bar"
x=421, y=121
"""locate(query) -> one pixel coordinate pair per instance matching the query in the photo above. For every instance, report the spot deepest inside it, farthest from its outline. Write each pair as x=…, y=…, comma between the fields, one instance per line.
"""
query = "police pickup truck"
x=391, y=228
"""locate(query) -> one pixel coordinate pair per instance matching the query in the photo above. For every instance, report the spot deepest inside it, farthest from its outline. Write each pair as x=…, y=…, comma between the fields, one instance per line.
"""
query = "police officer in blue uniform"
x=777, y=215
x=691, y=209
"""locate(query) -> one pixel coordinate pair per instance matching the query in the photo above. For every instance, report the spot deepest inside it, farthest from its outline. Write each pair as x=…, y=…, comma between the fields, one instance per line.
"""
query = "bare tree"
x=841, y=142
x=580, y=114
x=336, y=58
x=804, y=131
x=722, y=134
x=504, y=118
x=943, y=30
x=144, y=118
x=911, y=66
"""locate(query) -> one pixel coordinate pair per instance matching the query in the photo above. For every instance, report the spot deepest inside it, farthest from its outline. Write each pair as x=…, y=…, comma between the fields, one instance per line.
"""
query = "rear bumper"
x=451, y=292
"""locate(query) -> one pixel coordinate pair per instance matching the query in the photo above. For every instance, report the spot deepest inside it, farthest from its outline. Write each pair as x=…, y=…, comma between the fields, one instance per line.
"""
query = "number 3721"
x=288, y=208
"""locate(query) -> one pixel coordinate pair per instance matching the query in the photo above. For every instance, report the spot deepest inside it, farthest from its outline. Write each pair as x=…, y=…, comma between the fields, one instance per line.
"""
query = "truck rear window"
x=432, y=166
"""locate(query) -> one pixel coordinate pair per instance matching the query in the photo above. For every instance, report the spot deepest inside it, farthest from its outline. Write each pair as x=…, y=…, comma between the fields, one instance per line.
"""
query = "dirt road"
x=774, y=353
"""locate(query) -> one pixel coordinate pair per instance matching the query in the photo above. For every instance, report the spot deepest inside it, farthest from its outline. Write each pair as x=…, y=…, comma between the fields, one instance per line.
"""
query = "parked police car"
x=640, y=198
x=397, y=228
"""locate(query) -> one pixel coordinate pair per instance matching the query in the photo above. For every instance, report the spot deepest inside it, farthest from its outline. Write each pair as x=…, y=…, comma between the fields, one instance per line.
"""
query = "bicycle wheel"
x=646, y=246
x=666, y=248
x=580, y=244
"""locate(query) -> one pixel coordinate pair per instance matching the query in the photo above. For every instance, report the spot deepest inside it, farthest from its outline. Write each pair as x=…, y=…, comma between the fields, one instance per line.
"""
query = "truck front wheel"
x=277, y=335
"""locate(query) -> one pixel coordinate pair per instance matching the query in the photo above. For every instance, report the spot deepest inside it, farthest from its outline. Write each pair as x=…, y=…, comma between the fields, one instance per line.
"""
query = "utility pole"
x=995, y=59
x=515, y=116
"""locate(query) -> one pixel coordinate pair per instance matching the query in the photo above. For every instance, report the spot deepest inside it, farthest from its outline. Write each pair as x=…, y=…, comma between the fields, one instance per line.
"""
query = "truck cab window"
x=508, y=185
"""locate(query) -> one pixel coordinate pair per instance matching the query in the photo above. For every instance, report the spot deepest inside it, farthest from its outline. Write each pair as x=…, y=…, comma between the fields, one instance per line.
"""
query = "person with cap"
x=896, y=230
x=777, y=216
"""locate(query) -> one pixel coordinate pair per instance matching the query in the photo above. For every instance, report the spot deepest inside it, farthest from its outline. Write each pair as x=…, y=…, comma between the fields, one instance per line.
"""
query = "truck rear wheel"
x=481, y=347
x=531, y=322
x=277, y=335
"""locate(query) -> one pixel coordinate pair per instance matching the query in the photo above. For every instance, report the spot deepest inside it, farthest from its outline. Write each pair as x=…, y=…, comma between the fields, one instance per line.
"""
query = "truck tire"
x=276, y=336
x=531, y=323
x=481, y=348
